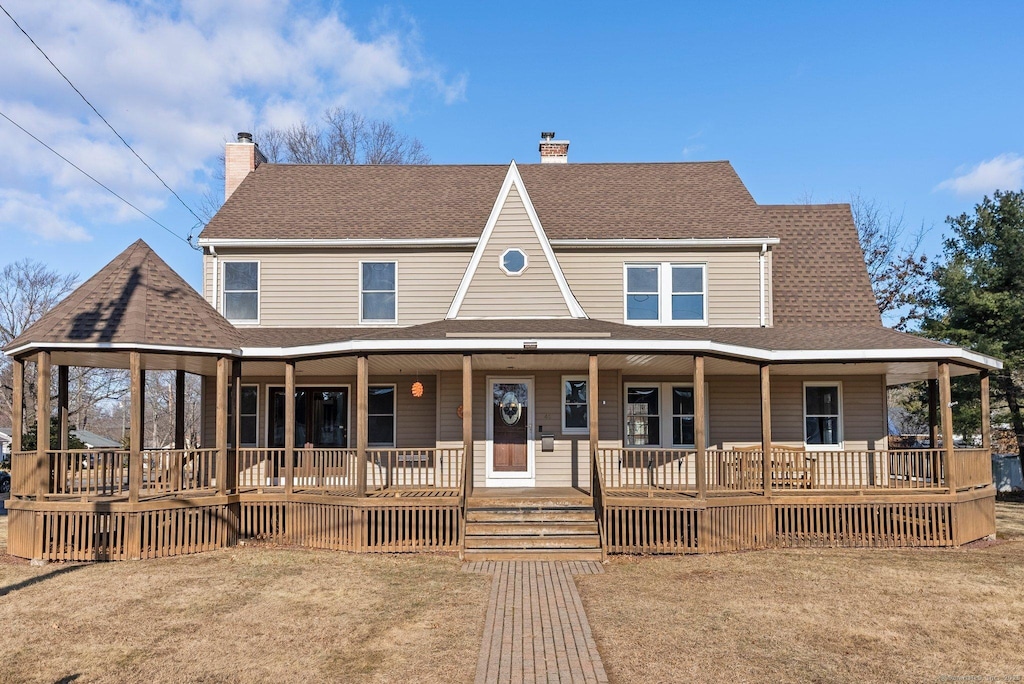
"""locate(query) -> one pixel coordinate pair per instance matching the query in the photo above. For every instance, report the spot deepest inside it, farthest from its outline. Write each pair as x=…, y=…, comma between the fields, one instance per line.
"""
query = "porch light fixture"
x=417, y=389
x=529, y=344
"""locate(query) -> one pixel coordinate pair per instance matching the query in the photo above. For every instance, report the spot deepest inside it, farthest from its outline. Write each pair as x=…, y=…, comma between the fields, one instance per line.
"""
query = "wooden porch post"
x=699, y=421
x=137, y=384
x=179, y=409
x=63, y=418
x=236, y=384
x=986, y=415
x=362, y=421
x=933, y=414
x=289, y=425
x=17, y=405
x=223, y=373
x=42, y=424
x=766, y=428
x=593, y=408
x=946, y=408
x=179, y=429
x=467, y=418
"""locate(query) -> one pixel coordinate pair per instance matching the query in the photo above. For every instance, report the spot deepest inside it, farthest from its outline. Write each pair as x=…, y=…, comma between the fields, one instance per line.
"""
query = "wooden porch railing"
x=325, y=469
x=674, y=470
x=972, y=468
x=82, y=472
x=23, y=464
x=259, y=469
x=416, y=469
x=173, y=471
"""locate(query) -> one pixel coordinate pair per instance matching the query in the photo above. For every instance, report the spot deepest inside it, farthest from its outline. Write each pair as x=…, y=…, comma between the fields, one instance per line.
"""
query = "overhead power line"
x=102, y=118
x=93, y=179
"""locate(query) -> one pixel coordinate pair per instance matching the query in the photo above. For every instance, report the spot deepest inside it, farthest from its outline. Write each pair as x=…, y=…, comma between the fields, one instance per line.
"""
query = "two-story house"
x=538, y=360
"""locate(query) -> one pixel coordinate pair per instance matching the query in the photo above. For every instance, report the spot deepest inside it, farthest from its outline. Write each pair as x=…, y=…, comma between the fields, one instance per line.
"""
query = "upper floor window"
x=513, y=261
x=823, y=412
x=242, y=291
x=666, y=294
x=378, y=292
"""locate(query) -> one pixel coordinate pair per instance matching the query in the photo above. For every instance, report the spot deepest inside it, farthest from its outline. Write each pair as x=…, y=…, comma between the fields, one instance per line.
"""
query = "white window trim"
x=665, y=415
x=269, y=391
x=394, y=415
x=569, y=430
x=223, y=291
x=838, y=384
x=377, y=321
x=664, y=292
x=526, y=261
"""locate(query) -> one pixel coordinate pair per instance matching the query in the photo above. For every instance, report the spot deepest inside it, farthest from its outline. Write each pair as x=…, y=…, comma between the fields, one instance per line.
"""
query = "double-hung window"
x=380, y=419
x=378, y=292
x=248, y=415
x=823, y=411
x=666, y=294
x=575, y=416
x=242, y=291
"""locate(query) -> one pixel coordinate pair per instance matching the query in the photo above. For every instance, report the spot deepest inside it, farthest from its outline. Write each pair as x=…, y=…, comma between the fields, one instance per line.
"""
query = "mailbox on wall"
x=547, y=442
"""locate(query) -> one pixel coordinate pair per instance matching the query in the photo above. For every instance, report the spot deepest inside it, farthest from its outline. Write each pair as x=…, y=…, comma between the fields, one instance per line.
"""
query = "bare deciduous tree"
x=898, y=271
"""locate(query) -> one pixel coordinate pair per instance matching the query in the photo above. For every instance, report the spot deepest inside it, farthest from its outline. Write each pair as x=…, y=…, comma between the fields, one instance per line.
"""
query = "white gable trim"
x=513, y=178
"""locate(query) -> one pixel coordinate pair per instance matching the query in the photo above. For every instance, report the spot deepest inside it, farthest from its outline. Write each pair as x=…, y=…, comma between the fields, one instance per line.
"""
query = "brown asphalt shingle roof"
x=135, y=299
x=819, y=273
x=598, y=201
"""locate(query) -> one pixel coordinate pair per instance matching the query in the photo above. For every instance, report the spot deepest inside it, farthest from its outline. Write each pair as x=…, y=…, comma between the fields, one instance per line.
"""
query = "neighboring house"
x=406, y=357
x=93, y=441
x=5, y=442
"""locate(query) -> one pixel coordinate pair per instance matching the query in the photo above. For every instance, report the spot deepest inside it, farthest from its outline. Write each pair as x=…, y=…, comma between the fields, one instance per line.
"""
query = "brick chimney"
x=240, y=159
x=553, y=151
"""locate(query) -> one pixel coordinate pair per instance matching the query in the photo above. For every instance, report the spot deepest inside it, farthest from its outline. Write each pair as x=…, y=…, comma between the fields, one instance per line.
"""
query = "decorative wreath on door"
x=510, y=408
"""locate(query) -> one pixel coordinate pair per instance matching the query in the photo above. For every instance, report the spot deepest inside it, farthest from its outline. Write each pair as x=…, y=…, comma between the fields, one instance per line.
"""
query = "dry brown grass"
x=810, y=615
x=244, y=614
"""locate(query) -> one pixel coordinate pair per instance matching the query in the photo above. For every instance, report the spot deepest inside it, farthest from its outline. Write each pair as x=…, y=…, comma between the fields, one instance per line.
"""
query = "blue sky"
x=915, y=105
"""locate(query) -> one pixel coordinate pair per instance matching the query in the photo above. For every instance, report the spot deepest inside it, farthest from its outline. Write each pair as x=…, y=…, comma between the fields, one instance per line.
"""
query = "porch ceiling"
x=198, y=364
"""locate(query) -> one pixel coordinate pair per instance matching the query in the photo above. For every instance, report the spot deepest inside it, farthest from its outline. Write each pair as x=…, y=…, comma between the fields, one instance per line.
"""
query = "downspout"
x=216, y=279
x=761, y=258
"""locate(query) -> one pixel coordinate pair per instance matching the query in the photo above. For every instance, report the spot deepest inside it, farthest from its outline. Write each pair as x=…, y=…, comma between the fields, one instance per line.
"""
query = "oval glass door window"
x=513, y=261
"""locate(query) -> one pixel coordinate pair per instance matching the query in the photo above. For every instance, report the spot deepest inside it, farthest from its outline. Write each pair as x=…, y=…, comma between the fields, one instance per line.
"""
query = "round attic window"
x=513, y=261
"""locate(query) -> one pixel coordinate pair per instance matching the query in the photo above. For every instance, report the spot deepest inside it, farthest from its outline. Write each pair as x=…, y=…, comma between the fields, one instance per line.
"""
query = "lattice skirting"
x=635, y=527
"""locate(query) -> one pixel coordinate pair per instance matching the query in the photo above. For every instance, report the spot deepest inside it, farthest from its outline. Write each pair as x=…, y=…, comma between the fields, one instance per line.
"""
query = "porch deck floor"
x=536, y=629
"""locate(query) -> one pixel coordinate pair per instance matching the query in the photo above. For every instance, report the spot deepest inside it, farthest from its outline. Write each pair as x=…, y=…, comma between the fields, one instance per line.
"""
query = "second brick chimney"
x=240, y=159
x=553, y=151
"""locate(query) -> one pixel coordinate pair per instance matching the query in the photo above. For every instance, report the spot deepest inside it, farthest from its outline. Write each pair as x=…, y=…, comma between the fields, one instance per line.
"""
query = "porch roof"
x=135, y=301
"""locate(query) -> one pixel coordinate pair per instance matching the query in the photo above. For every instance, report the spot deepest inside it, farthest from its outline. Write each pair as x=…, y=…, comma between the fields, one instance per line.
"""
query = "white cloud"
x=29, y=213
x=1005, y=172
x=177, y=79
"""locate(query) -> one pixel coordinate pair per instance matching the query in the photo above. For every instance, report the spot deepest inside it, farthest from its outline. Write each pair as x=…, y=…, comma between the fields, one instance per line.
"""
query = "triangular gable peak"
x=494, y=286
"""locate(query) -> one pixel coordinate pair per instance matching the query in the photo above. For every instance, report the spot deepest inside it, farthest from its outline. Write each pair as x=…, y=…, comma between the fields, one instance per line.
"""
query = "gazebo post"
x=933, y=414
x=63, y=417
x=18, y=405
x=946, y=408
x=137, y=415
x=766, y=428
x=986, y=415
x=42, y=424
x=179, y=429
x=699, y=420
x=236, y=386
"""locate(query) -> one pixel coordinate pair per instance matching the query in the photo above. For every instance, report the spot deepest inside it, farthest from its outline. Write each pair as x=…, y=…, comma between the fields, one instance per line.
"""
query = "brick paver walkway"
x=536, y=629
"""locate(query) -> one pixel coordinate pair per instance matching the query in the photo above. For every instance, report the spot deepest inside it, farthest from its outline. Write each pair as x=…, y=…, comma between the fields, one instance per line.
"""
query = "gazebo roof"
x=135, y=300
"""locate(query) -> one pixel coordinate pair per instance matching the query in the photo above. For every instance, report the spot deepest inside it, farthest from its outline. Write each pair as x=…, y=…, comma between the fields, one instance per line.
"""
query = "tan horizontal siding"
x=493, y=293
x=596, y=278
x=321, y=287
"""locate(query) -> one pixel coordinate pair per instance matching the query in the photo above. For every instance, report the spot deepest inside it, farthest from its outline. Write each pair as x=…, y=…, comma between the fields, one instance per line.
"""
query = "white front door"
x=510, y=443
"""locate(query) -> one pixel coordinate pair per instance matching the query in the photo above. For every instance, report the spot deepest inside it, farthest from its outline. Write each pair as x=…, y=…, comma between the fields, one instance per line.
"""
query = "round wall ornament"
x=417, y=389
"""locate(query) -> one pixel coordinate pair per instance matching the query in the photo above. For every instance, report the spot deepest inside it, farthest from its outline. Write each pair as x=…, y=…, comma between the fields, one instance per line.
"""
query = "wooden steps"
x=531, y=528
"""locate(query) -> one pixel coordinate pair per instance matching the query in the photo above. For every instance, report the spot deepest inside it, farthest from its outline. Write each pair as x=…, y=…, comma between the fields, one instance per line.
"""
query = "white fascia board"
x=577, y=345
x=512, y=177
x=663, y=243
x=119, y=346
x=386, y=243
